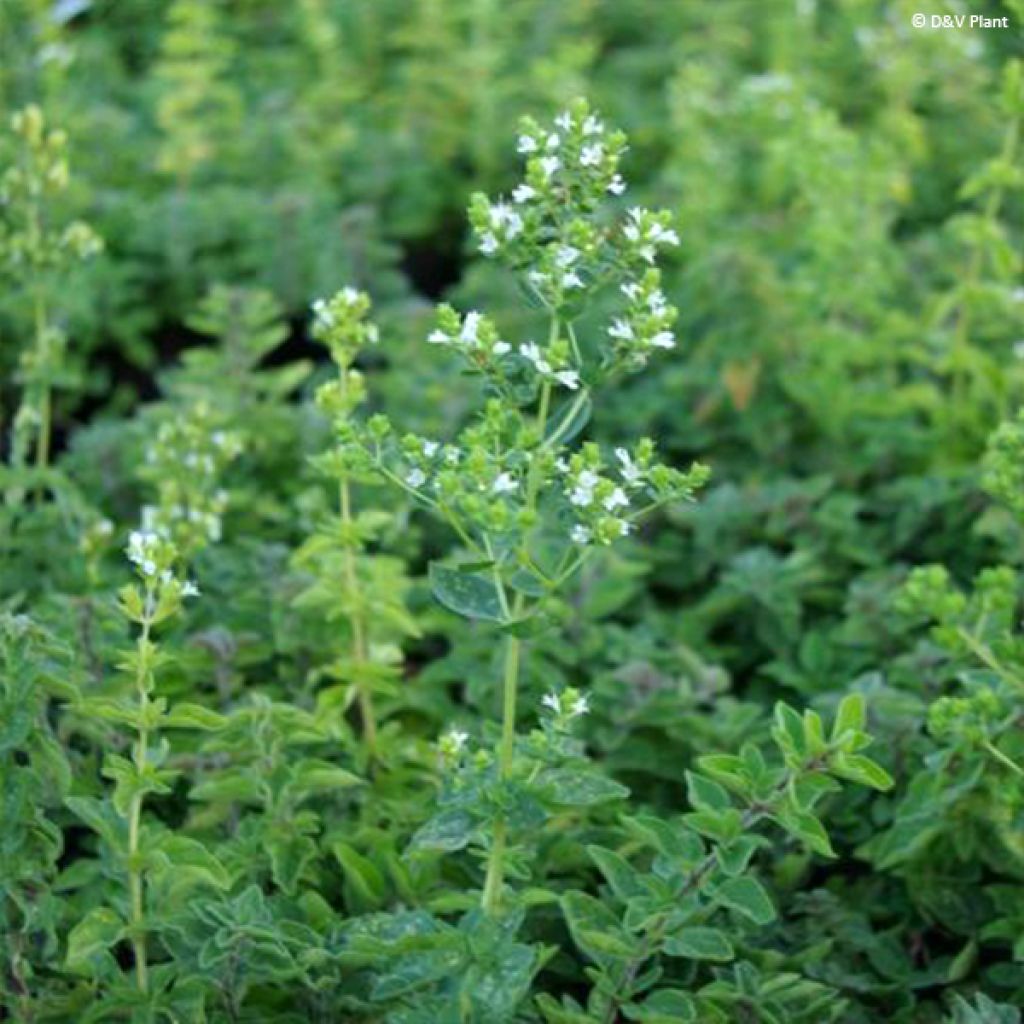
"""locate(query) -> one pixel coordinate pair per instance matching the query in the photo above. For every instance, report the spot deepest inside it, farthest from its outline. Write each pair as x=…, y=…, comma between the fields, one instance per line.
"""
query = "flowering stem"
x=494, y=880
x=135, y=879
x=44, y=409
x=506, y=751
x=358, y=625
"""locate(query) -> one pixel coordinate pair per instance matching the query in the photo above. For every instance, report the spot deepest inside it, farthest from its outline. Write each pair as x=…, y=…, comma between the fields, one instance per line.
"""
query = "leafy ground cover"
x=472, y=553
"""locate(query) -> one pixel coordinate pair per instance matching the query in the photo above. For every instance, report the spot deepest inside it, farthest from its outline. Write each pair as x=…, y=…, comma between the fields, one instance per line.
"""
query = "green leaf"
x=851, y=715
x=596, y=930
x=862, y=770
x=700, y=943
x=465, y=593
x=448, y=831
x=193, y=716
x=313, y=775
x=747, y=896
x=617, y=872
x=90, y=939
x=578, y=787
x=706, y=795
x=362, y=875
x=805, y=826
x=190, y=862
x=666, y=1006
x=788, y=732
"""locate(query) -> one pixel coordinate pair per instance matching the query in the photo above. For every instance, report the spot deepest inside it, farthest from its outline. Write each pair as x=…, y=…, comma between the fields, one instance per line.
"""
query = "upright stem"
x=360, y=651
x=135, y=880
x=495, y=877
x=494, y=880
x=44, y=410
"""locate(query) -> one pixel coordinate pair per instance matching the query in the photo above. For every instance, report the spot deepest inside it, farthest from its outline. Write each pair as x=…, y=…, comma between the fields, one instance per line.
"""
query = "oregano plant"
x=528, y=500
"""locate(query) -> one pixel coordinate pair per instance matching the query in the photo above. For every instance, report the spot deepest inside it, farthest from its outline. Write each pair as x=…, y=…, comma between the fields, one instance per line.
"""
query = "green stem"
x=494, y=880
x=360, y=649
x=135, y=879
x=491, y=900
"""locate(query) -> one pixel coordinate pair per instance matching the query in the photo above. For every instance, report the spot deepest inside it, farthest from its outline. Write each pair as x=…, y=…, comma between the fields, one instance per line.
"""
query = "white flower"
x=504, y=217
x=566, y=256
x=664, y=339
x=322, y=313
x=504, y=484
x=430, y=448
x=591, y=156
x=416, y=477
x=549, y=164
x=523, y=193
x=488, y=244
x=631, y=290
x=617, y=185
x=349, y=295
x=552, y=141
x=531, y=351
x=580, y=706
x=617, y=499
x=579, y=534
x=663, y=236
x=470, y=326
x=457, y=739
x=140, y=550
x=592, y=126
x=500, y=348
x=621, y=329
x=564, y=121
x=438, y=337
x=572, y=280
x=568, y=378
x=526, y=144
x=631, y=472
x=550, y=700
x=582, y=494
x=189, y=589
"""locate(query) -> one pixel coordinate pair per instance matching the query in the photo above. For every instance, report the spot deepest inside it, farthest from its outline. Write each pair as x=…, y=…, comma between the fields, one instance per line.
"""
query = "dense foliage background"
x=849, y=197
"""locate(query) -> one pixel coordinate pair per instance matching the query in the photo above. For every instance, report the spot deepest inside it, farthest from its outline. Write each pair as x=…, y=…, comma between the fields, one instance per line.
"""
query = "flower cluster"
x=606, y=499
x=156, y=560
x=561, y=709
x=186, y=461
x=647, y=320
x=40, y=173
x=341, y=324
x=479, y=481
x=553, y=233
x=473, y=335
x=452, y=745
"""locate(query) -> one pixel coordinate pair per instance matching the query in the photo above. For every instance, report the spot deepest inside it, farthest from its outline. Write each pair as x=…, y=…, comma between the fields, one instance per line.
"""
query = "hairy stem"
x=135, y=879
x=360, y=650
x=494, y=880
x=491, y=900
